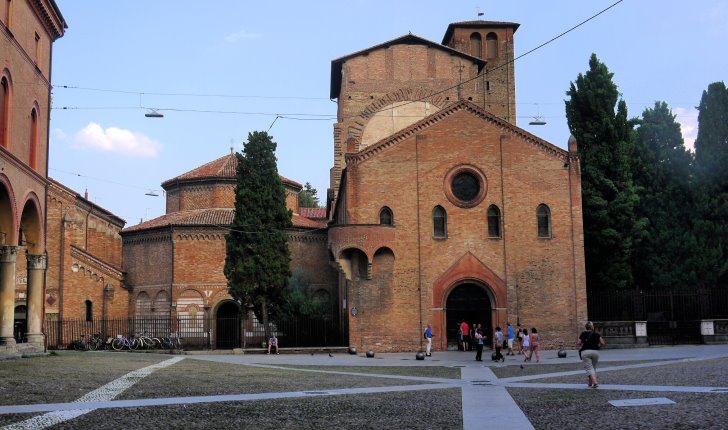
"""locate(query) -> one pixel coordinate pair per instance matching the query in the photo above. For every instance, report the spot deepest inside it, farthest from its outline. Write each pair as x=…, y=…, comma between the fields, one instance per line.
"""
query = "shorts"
x=510, y=343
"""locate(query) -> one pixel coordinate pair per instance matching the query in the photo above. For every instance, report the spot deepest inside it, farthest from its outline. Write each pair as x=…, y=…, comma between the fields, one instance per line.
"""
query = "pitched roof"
x=373, y=150
x=223, y=168
x=221, y=217
x=476, y=24
x=313, y=213
x=407, y=39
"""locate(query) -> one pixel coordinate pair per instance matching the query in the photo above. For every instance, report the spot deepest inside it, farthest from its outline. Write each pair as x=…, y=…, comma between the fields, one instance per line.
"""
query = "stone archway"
x=470, y=302
x=227, y=325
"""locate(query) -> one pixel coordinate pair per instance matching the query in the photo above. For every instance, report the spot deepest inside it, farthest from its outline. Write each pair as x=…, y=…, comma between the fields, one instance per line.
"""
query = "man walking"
x=428, y=340
x=511, y=337
x=466, y=335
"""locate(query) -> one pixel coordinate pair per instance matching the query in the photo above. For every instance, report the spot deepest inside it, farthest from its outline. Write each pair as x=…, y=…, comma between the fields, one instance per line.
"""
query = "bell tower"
x=493, y=42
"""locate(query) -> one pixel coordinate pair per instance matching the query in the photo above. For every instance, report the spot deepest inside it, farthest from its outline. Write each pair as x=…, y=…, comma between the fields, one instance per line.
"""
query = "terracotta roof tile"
x=210, y=217
x=313, y=213
x=223, y=167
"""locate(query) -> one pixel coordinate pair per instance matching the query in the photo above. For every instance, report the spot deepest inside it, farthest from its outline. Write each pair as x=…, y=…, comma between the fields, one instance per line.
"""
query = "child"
x=526, y=346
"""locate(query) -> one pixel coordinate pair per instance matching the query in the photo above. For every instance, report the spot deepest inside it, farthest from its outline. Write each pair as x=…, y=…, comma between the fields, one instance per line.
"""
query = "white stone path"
x=484, y=396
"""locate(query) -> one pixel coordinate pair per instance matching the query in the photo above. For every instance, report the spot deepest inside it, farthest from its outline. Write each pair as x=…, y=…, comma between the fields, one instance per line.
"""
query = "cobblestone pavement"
x=390, y=391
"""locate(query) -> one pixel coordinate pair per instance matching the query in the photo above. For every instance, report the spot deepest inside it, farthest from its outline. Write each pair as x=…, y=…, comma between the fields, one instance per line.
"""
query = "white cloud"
x=242, y=35
x=116, y=140
x=688, y=119
x=58, y=134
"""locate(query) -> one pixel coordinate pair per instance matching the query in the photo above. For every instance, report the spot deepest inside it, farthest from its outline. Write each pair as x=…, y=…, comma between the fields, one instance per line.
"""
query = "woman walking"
x=498, y=340
x=590, y=342
x=526, y=346
x=478, y=336
x=534, y=345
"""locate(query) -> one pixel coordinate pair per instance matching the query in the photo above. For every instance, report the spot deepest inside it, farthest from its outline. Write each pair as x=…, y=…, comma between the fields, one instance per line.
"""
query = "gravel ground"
x=702, y=373
x=208, y=378
x=407, y=410
x=37, y=379
x=428, y=371
x=589, y=409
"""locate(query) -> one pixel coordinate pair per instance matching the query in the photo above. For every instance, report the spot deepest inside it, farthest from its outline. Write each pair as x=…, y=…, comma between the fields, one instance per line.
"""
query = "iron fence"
x=657, y=306
x=201, y=333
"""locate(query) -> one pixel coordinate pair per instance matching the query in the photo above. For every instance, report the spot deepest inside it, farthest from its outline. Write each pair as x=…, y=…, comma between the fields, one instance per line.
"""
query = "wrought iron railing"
x=202, y=333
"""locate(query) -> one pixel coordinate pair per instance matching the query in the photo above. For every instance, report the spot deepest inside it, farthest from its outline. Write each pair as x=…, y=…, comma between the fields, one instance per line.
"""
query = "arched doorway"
x=470, y=302
x=227, y=326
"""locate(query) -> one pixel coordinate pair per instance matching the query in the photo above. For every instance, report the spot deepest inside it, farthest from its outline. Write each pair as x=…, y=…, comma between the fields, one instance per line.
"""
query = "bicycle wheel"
x=178, y=343
x=117, y=344
x=91, y=345
x=134, y=343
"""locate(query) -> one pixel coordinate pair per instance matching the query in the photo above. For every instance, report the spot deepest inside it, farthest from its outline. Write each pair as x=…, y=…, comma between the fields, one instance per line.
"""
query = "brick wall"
x=84, y=257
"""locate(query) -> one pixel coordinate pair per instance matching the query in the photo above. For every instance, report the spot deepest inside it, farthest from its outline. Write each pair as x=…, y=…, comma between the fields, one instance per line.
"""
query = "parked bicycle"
x=123, y=342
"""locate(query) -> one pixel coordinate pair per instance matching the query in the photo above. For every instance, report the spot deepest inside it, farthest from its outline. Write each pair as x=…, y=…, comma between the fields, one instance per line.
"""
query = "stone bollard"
x=370, y=353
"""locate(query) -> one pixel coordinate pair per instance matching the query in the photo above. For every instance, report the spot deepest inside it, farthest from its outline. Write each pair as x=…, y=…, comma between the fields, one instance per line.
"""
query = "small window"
x=37, y=49
x=494, y=222
x=89, y=310
x=385, y=216
x=543, y=219
x=4, y=110
x=476, y=45
x=33, y=142
x=491, y=45
x=439, y=222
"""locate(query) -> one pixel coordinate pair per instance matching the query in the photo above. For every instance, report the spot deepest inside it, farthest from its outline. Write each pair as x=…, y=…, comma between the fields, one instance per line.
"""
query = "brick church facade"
x=173, y=264
x=442, y=209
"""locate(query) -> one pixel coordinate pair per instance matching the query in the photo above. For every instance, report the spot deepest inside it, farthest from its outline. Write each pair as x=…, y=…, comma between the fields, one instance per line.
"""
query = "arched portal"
x=470, y=302
x=227, y=325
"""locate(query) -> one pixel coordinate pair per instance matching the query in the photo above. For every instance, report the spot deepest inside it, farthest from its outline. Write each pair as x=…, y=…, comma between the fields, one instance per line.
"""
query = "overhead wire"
x=328, y=117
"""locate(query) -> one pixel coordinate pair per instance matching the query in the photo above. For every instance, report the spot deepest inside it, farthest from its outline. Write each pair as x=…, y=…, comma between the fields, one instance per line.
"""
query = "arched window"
x=491, y=45
x=439, y=222
x=543, y=220
x=4, y=110
x=494, y=222
x=476, y=45
x=385, y=216
x=33, y=143
x=89, y=310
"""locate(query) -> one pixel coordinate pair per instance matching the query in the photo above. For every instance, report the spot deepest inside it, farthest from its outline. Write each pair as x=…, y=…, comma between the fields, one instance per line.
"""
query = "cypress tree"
x=662, y=167
x=711, y=167
x=606, y=147
x=257, y=262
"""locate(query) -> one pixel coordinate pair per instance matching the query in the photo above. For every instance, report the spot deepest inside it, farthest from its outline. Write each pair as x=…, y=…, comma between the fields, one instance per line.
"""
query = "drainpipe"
x=419, y=247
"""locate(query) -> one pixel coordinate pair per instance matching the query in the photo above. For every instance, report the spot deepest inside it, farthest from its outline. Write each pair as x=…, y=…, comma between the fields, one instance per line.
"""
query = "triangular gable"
x=408, y=39
x=416, y=128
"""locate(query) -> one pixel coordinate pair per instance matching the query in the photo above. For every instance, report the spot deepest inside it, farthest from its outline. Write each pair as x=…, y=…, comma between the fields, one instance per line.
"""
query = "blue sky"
x=218, y=70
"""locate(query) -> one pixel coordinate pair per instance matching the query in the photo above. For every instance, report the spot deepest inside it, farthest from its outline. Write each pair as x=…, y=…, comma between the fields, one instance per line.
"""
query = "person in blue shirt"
x=511, y=337
x=428, y=339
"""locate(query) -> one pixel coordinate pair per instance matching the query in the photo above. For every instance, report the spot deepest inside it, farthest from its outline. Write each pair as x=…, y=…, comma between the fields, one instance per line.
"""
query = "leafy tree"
x=711, y=166
x=307, y=198
x=296, y=302
x=605, y=140
x=257, y=258
x=662, y=166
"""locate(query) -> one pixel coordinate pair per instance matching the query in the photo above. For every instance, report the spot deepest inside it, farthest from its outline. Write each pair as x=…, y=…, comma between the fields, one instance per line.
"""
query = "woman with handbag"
x=590, y=342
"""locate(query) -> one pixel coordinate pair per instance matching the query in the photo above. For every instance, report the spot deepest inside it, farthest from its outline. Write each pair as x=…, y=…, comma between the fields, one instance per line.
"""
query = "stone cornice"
x=81, y=256
x=50, y=16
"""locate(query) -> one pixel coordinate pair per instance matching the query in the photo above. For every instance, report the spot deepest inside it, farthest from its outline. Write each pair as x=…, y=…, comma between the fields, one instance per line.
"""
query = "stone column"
x=36, y=270
x=8, y=255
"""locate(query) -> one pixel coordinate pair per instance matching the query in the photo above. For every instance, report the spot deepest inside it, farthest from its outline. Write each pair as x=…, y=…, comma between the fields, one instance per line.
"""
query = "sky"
x=221, y=69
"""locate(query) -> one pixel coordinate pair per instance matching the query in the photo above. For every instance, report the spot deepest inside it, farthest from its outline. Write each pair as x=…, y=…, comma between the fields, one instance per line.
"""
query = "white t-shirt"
x=526, y=341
